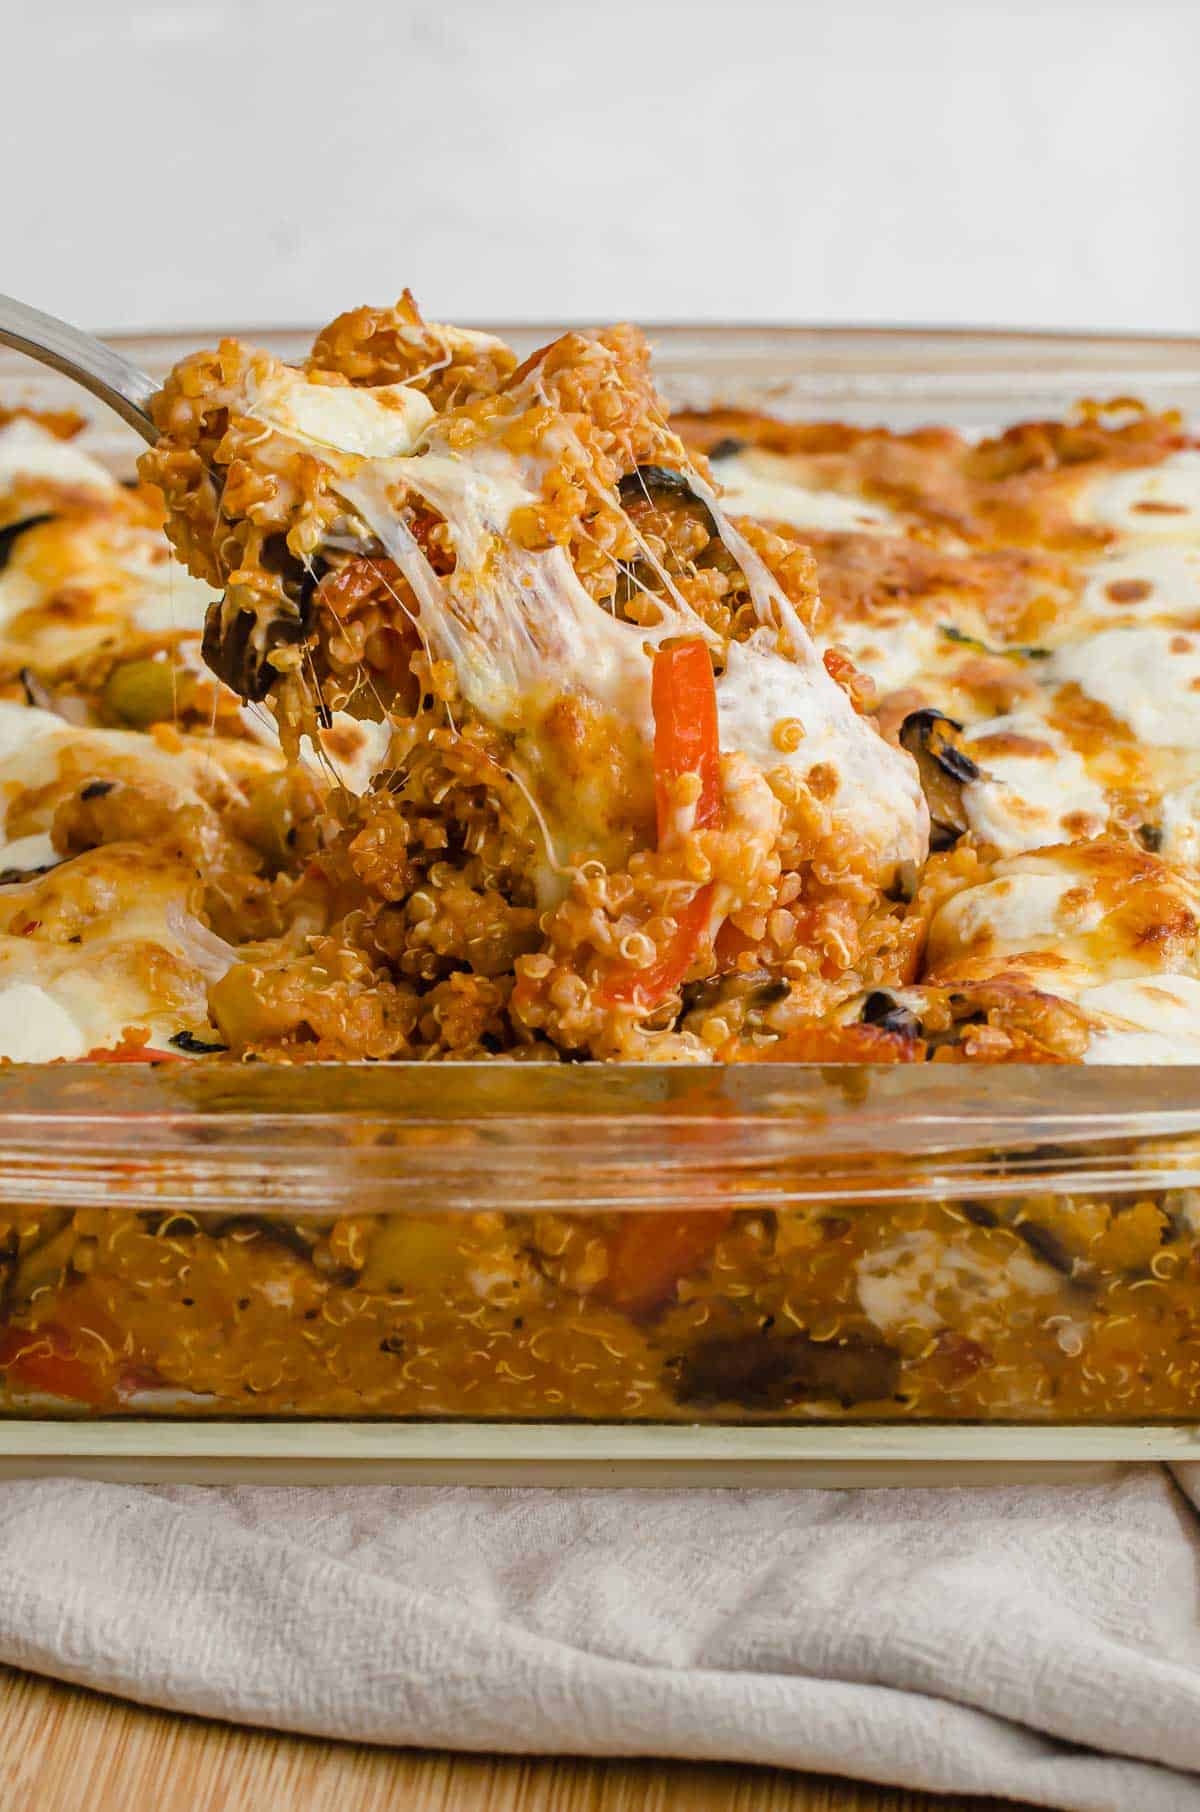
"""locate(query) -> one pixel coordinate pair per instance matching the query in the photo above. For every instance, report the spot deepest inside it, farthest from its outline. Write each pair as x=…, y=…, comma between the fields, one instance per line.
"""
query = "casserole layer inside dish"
x=943, y=812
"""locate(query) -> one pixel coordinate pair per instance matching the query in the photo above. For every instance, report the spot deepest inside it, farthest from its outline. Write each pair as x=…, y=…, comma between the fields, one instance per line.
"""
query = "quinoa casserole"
x=419, y=705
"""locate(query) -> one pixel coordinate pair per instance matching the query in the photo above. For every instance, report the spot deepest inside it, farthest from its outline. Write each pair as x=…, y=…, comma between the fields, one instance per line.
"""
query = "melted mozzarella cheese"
x=874, y=796
x=138, y=955
x=24, y=855
x=1179, y=821
x=1031, y=903
x=1150, y=678
x=1034, y=788
x=895, y=653
x=522, y=632
x=917, y=1279
x=34, y=1027
x=1144, y=1021
x=43, y=758
x=82, y=583
x=31, y=457
x=1150, y=582
x=165, y=598
x=1159, y=502
x=375, y=422
x=1068, y=920
x=520, y=628
x=517, y=625
x=23, y=726
x=761, y=484
x=355, y=749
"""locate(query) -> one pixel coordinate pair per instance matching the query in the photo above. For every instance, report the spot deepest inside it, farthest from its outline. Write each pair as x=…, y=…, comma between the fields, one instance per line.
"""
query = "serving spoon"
x=80, y=356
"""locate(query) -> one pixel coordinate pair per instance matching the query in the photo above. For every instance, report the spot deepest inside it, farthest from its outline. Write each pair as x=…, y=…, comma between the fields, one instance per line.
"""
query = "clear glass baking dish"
x=499, y=1266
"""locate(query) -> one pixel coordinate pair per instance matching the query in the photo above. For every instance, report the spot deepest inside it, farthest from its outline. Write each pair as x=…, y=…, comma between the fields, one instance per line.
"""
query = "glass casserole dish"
x=829, y=1249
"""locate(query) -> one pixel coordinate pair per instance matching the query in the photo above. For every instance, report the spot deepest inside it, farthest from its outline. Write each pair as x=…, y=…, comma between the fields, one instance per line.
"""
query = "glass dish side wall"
x=795, y=1246
x=799, y=1247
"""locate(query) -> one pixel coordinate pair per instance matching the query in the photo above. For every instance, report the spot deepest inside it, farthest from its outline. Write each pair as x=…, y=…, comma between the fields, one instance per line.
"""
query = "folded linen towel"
x=1038, y=1642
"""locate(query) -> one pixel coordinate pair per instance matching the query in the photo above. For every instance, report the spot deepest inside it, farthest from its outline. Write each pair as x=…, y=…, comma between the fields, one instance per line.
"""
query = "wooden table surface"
x=62, y=1749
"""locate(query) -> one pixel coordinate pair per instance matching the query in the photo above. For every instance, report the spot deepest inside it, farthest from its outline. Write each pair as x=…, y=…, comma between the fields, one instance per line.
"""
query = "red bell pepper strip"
x=44, y=1360
x=649, y=1253
x=686, y=741
x=686, y=736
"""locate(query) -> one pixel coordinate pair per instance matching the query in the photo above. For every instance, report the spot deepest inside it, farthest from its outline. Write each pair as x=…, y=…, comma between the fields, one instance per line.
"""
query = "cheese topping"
x=375, y=422
x=32, y=459
x=1156, y=502
x=70, y=587
x=23, y=856
x=1035, y=789
x=34, y=1027
x=761, y=484
x=919, y=1281
x=1151, y=582
x=139, y=955
x=1150, y=678
x=896, y=653
x=1152, y=1021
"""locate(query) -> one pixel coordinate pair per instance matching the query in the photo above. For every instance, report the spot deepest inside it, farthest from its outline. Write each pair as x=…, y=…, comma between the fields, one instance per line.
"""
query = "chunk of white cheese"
x=30, y=454
x=1157, y=502
x=1034, y=788
x=920, y=1280
x=1148, y=582
x=375, y=421
x=1148, y=677
x=34, y=1027
x=761, y=484
x=1156, y=1020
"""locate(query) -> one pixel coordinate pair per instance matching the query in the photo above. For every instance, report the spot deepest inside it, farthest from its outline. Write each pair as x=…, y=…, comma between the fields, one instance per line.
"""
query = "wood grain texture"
x=62, y=1749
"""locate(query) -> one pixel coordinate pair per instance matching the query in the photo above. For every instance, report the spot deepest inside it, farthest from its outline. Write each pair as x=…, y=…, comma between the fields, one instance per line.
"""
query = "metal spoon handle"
x=89, y=361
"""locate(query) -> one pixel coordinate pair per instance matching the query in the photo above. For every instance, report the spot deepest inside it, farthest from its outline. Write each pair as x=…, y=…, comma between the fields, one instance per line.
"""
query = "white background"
x=274, y=160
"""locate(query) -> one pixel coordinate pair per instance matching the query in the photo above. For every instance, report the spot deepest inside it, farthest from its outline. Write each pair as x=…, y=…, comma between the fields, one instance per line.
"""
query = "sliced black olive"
x=978, y=1215
x=297, y=1240
x=758, y=988
x=727, y=447
x=97, y=789
x=905, y=883
x=1047, y=1245
x=944, y=768
x=36, y=691
x=234, y=650
x=237, y=643
x=10, y=877
x=662, y=484
x=195, y=1047
x=71, y=708
x=1150, y=836
x=762, y=1372
x=10, y=535
x=890, y=1015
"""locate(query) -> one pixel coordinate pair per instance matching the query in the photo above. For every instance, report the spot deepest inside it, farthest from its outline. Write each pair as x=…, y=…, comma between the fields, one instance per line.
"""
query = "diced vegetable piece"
x=649, y=1253
x=140, y=693
x=44, y=1360
x=686, y=741
x=644, y=988
x=686, y=735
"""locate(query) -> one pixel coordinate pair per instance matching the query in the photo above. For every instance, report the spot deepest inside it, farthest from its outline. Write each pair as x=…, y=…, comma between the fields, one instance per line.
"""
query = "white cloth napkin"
x=1042, y=1643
